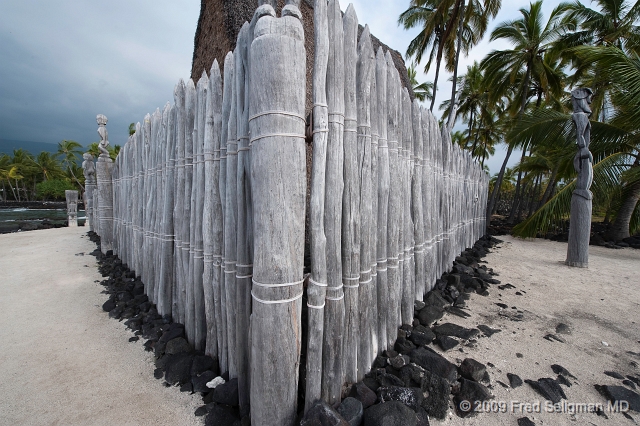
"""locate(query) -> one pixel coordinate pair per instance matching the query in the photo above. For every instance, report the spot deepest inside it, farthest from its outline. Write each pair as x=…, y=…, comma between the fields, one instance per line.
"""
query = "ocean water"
x=22, y=218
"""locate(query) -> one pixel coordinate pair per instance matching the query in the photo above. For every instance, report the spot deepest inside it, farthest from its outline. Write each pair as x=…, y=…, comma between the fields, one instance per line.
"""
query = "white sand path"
x=600, y=304
x=63, y=361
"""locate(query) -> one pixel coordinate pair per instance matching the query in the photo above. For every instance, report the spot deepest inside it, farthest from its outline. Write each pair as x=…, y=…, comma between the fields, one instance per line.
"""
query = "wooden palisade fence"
x=209, y=208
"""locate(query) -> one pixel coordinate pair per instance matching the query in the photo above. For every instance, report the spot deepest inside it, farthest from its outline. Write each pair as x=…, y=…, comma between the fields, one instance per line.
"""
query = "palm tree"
x=448, y=27
x=69, y=153
x=132, y=128
x=615, y=147
x=48, y=166
x=512, y=69
x=422, y=91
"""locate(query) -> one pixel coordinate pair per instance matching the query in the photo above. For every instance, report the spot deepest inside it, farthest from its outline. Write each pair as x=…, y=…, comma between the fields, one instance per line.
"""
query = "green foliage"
x=53, y=189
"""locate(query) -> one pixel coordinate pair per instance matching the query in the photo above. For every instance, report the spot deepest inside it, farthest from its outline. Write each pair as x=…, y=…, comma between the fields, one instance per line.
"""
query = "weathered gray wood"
x=394, y=210
x=165, y=286
x=383, y=201
x=581, y=198
x=190, y=105
x=72, y=207
x=277, y=128
x=104, y=170
x=244, y=246
x=231, y=227
x=332, y=353
x=316, y=289
x=366, y=296
x=212, y=220
x=416, y=201
x=179, y=300
x=373, y=230
x=89, y=171
x=351, y=201
x=197, y=194
x=226, y=112
x=408, y=276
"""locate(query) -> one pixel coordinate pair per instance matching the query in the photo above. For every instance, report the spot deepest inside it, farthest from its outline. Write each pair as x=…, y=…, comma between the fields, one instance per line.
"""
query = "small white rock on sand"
x=601, y=303
x=63, y=361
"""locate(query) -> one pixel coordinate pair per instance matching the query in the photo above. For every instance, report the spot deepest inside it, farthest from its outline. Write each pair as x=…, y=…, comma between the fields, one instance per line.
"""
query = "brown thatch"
x=221, y=20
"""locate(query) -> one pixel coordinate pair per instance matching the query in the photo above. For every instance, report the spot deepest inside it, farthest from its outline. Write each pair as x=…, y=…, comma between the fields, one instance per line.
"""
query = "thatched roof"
x=221, y=20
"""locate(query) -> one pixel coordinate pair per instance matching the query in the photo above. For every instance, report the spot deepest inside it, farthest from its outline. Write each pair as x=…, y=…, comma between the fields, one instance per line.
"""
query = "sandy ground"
x=63, y=361
x=600, y=304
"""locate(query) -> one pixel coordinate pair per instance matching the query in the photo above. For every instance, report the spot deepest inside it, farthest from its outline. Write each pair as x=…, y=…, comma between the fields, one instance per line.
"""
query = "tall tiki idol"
x=581, y=199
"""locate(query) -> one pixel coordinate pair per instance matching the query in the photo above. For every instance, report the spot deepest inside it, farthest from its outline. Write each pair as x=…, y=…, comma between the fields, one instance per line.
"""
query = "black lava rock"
x=221, y=415
x=472, y=369
x=420, y=338
x=201, y=364
x=321, y=414
x=454, y=330
x=392, y=413
x=178, y=368
x=525, y=421
x=177, y=345
x=514, y=380
x=470, y=392
x=435, y=363
x=620, y=393
x=558, y=369
x=614, y=375
x=352, y=411
x=446, y=342
x=437, y=389
x=227, y=393
x=548, y=388
x=411, y=397
x=200, y=382
x=109, y=305
x=488, y=331
x=430, y=314
x=364, y=394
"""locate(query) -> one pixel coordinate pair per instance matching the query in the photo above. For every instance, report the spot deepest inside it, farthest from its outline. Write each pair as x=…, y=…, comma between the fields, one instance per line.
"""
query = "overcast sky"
x=64, y=62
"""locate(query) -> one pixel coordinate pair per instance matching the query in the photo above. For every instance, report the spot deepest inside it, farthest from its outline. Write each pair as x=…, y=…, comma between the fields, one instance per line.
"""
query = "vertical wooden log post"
x=416, y=201
x=332, y=355
x=189, y=314
x=197, y=193
x=350, y=201
x=244, y=246
x=366, y=292
x=373, y=230
x=393, y=216
x=383, y=201
x=165, y=286
x=231, y=226
x=277, y=127
x=408, y=288
x=179, y=96
x=226, y=112
x=316, y=290
x=212, y=220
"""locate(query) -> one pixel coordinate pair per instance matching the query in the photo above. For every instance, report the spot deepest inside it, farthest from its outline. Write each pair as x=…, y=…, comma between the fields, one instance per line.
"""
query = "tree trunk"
x=496, y=188
x=550, y=186
x=620, y=227
x=455, y=65
x=516, y=198
x=435, y=79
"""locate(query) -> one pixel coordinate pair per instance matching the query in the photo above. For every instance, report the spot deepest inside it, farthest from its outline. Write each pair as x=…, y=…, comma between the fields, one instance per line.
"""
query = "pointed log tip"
x=380, y=53
x=215, y=70
x=228, y=58
x=351, y=12
x=190, y=84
